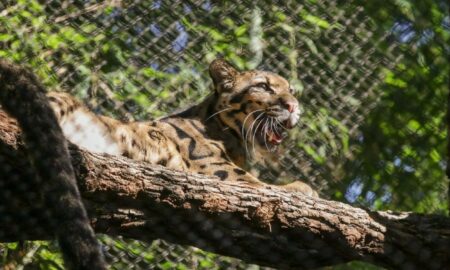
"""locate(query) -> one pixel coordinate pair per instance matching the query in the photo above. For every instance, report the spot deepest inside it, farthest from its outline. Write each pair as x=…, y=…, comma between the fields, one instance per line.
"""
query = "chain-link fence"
x=370, y=79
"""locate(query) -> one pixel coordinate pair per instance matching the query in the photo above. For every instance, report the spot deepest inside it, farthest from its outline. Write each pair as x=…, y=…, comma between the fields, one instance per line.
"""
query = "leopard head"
x=258, y=105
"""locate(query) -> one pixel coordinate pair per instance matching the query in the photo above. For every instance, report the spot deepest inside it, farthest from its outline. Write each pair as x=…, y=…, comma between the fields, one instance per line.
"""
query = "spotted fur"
x=248, y=114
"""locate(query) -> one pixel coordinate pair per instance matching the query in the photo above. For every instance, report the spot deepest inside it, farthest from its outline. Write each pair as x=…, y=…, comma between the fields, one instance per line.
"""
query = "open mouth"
x=267, y=130
x=271, y=133
x=274, y=137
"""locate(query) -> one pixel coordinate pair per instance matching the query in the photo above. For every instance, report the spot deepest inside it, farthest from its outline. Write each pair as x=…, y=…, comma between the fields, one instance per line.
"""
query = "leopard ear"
x=223, y=74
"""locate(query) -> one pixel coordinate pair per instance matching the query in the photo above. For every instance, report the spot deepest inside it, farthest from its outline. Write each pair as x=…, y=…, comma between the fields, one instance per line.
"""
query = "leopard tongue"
x=274, y=138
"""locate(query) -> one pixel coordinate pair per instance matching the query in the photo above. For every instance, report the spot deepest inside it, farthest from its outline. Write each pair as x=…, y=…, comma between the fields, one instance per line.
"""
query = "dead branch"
x=266, y=226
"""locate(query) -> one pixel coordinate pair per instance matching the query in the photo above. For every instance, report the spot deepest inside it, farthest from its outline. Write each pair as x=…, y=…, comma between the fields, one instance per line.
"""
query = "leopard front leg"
x=299, y=186
x=228, y=171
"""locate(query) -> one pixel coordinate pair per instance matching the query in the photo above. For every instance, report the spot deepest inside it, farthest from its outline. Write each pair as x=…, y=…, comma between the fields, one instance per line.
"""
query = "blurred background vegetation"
x=372, y=78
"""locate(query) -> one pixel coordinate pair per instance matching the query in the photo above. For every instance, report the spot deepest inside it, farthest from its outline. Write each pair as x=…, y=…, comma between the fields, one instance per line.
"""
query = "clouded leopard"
x=247, y=110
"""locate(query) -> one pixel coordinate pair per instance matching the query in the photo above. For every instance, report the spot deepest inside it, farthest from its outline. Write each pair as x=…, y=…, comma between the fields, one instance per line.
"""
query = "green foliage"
x=37, y=254
x=373, y=127
x=402, y=153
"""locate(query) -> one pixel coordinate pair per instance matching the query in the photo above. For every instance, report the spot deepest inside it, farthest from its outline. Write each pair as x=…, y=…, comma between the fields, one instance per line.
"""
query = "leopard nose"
x=290, y=106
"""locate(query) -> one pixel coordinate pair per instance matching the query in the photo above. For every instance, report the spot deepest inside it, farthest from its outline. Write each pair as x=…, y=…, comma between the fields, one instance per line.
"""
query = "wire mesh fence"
x=370, y=80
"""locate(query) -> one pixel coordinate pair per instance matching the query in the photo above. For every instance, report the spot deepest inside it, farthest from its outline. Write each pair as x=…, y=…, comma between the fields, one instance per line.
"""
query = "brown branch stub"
x=266, y=226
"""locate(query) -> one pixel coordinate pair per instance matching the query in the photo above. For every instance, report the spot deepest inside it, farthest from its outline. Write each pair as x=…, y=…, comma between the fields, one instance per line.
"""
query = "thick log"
x=266, y=226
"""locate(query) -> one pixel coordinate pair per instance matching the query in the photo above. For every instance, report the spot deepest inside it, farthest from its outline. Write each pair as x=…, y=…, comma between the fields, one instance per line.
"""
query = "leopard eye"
x=265, y=86
x=262, y=85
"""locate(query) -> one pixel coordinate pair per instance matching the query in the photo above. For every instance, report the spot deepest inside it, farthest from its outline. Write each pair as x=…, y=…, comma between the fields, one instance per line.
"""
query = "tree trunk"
x=265, y=226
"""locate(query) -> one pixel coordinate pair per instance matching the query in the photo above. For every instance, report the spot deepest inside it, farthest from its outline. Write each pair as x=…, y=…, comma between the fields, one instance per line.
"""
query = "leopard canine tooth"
x=269, y=135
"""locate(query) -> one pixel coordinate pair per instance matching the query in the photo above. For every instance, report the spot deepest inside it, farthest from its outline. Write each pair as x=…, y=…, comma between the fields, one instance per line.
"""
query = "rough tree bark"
x=266, y=226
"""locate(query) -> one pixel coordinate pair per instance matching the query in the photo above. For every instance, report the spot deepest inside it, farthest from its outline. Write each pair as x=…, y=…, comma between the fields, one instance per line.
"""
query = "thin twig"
x=88, y=9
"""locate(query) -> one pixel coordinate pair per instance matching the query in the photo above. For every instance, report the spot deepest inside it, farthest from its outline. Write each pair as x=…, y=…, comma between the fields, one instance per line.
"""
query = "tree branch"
x=266, y=226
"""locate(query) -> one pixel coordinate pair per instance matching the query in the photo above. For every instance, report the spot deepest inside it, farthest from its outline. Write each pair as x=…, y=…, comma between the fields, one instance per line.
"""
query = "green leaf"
x=153, y=73
x=5, y=37
x=311, y=152
x=392, y=80
x=413, y=125
x=54, y=41
x=314, y=20
x=310, y=43
x=435, y=156
x=241, y=30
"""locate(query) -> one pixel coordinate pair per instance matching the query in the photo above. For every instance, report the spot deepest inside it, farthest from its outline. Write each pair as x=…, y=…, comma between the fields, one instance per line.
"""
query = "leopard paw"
x=298, y=186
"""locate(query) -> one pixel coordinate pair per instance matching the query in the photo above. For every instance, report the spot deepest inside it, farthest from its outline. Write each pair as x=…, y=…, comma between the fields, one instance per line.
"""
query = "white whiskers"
x=280, y=124
x=265, y=132
x=254, y=134
x=216, y=113
x=249, y=132
x=243, y=129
